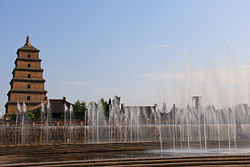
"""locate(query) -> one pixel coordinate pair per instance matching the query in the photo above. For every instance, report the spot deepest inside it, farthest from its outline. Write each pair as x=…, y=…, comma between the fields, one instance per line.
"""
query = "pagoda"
x=27, y=84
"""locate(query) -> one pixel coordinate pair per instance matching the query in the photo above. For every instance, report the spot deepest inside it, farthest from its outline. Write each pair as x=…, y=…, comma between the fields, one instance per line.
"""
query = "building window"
x=28, y=55
x=28, y=65
x=28, y=86
x=28, y=75
x=28, y=97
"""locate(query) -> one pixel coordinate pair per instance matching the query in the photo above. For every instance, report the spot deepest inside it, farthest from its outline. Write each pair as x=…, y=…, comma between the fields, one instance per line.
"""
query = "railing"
x=81, y=123
x=43, y=123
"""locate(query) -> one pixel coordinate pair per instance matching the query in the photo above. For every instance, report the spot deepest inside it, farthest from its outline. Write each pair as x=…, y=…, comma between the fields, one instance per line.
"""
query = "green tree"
x=38, y=115
x=79, y=109
x=13, y=117
x=30, y=115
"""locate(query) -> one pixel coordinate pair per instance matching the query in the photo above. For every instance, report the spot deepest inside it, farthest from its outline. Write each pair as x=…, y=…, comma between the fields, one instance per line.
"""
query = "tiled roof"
x=29, y=48
x=57, y=105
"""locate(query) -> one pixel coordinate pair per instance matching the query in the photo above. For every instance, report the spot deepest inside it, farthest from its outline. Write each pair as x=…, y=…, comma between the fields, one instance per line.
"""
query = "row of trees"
x=79, y=111
x=29, y=116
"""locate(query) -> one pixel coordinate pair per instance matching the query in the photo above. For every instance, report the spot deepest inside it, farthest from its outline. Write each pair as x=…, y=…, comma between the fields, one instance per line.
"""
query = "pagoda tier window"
x=28, y=65
x=28, y=75
x=28, y=97
x=28, y=55
x=28, y=86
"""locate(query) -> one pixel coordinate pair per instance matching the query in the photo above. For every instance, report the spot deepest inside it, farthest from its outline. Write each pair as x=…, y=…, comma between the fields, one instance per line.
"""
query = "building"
x=57, y=107
x=150, y=112
x=146, y=112
x=27, y=84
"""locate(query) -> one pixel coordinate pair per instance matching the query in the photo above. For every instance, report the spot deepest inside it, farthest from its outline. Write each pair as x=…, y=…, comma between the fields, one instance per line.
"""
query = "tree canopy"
x=79, y=109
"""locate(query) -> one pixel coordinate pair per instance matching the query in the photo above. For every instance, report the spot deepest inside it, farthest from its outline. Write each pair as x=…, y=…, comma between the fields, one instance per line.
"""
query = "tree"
x=30, y=115
x=13, y=117
x=118, y=99
x=79, y=109
x=37, y=115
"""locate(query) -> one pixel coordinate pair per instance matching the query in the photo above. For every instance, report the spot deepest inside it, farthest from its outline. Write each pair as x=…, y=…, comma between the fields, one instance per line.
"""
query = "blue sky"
x=101, y=48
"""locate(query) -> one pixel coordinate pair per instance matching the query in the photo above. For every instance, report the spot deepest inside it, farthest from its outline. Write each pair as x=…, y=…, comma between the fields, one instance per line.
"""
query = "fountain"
x=179, y=131
x=184, y=129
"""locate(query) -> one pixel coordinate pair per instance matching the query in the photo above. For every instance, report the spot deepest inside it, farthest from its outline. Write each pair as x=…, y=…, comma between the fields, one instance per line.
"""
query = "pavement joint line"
x=209, y=159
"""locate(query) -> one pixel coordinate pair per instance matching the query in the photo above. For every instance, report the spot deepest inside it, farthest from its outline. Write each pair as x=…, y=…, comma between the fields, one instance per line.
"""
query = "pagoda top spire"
x=27, y=46
x=28, y=41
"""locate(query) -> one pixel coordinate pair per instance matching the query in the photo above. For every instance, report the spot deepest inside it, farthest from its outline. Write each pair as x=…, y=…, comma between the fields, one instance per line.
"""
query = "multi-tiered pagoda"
x=27, y=84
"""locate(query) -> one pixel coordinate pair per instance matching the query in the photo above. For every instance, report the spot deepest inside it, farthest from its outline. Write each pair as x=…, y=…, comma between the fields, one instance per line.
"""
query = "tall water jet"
x=70, y=115
x=41, y=124
x=70, y=122
x=65, y=114
x=234, y=128
x=158, y=113
x=187, y=80
x=18, y=115
x=116, y=117
x=47, y=121
x=131, y=123
x=228, y=128
x=19, y=111
x=42, y=112
x=86, y=124
x=218, y=127
x=92, y=113
x=248, y=82
x=235, y=75
x=101, y=121
x=205, y=130
x=174, y=126
x=23, y=113
x=48, y=112
x=126, y=118
x=137, y=123
x=24, y=110
x=188, y=127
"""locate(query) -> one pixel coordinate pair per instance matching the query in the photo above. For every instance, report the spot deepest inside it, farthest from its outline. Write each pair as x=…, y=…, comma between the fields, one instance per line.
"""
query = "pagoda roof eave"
x=27, y=69
x=27, y=80
x=42, y=91
x=27, y=59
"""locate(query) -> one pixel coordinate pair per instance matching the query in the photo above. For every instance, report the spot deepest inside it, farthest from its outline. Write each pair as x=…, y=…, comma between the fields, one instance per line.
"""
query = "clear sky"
x=101, y=48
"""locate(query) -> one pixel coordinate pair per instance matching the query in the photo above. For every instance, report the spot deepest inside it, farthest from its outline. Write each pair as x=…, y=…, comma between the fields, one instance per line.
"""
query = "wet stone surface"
x=65, y=152
x=68, y=152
